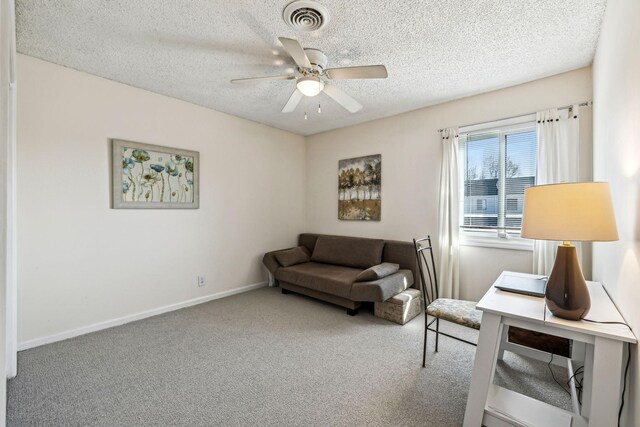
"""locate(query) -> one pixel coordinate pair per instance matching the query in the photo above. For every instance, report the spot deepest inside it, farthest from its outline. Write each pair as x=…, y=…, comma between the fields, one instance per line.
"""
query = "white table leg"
x=607, y=368
x=578, y=351
x=483, y=368
x=587, y=380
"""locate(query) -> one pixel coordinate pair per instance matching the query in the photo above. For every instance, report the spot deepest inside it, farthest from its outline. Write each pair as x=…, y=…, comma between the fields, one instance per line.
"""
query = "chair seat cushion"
x=456, y=311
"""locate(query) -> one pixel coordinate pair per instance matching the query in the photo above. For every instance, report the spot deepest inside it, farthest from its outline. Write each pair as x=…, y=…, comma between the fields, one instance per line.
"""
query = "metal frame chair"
x=430, y=295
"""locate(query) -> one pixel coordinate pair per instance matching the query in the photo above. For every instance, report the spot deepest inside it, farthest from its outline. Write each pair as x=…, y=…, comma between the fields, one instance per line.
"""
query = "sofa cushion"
x=331, y=279
x=348, y=251
x=292, y=256
x=378, y=272
x=308, y=240
x=382, y=289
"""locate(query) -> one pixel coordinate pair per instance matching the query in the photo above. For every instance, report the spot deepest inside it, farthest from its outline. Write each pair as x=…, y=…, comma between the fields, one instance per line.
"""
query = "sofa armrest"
x=381, y=290
x=269, y=260
x=403, y=253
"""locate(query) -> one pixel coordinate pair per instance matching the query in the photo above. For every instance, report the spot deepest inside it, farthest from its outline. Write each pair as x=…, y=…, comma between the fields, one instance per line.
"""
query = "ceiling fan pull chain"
x=305, y=115
x=319, y=109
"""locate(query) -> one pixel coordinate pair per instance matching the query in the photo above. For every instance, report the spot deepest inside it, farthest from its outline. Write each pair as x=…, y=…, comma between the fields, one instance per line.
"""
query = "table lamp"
x=578, y=211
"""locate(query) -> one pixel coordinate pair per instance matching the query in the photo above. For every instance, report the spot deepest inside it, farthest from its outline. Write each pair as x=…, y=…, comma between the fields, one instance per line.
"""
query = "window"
x=497, y=163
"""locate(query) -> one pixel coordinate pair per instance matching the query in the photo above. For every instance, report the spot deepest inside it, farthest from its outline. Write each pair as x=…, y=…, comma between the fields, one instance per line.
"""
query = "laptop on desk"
x=532, y=286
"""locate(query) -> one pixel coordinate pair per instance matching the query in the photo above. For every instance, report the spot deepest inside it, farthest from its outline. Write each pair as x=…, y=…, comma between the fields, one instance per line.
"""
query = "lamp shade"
x=576, y=211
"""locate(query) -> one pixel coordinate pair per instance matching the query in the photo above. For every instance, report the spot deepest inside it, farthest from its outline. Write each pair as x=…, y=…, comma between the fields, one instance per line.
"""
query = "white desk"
x=492, y=405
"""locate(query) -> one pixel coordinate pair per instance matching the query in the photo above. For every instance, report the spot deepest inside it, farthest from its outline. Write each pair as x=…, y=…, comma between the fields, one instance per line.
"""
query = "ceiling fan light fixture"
x=310, y=86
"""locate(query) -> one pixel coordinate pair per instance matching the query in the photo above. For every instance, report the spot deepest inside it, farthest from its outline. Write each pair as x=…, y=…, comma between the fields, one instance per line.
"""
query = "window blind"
x=497, y=165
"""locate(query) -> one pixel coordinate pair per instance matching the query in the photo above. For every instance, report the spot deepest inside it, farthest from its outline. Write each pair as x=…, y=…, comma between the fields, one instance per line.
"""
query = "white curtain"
x=558, y=155
x=8, y=157
x=448, y=217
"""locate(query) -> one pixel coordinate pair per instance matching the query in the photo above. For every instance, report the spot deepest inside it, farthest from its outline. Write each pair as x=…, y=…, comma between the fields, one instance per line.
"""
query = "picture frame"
x=359, y=188
x=147, y=176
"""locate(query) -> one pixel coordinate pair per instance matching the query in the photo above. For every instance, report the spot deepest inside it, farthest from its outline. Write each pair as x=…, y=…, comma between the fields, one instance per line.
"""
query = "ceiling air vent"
x=305, y=15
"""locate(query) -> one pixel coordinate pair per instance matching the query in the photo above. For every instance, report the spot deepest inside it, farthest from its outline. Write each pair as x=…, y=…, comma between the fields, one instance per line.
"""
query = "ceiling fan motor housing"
x=317, y=59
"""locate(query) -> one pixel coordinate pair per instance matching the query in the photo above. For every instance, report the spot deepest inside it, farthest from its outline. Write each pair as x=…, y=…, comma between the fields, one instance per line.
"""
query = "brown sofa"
x=335, y=261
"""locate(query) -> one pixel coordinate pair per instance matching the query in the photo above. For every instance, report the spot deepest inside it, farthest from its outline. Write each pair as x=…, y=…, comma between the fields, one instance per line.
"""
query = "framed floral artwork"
x=149, y=176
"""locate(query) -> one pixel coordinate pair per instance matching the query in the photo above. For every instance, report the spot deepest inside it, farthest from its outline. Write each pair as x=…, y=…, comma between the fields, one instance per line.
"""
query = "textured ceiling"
x=434, y=50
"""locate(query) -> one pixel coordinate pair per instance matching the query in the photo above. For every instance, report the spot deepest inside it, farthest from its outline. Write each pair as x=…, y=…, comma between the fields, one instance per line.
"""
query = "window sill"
x=483, y=240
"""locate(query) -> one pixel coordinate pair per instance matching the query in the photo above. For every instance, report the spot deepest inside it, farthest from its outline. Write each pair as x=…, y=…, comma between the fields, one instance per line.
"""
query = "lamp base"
x=567, y=295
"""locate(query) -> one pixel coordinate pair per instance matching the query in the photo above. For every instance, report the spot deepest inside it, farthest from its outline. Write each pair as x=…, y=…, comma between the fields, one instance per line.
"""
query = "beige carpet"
x=259, y=358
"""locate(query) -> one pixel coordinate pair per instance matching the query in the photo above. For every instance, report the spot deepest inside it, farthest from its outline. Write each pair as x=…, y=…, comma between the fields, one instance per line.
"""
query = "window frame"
x=494, y=238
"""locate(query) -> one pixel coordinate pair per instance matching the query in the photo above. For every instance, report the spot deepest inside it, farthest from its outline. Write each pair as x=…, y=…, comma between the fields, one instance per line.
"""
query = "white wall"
x=6, y=12
x=81, y=262
x=410, y=148
x=616, y=119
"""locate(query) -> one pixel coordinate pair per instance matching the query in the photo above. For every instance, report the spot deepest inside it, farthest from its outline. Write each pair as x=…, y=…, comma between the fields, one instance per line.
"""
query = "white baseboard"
x=36, y=342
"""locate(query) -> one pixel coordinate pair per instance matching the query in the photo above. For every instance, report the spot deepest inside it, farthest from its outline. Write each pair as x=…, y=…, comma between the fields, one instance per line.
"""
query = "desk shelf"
x=508, y=408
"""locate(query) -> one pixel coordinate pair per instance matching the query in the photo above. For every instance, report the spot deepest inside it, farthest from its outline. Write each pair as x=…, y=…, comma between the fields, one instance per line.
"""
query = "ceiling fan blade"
x=293, y=101
x=296, y=51
x=364, y=72
x=342, y=98
x=260, y=79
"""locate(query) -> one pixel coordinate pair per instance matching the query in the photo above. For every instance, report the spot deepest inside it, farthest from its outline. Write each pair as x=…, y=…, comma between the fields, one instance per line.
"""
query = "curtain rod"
x=566, y=107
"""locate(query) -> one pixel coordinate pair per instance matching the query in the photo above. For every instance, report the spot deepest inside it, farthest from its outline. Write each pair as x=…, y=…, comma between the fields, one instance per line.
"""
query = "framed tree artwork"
x=359, y=185
x=149, y=176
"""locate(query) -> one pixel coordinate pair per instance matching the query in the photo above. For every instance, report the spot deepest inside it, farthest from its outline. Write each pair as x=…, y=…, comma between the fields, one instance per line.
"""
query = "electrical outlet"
x=201, y=281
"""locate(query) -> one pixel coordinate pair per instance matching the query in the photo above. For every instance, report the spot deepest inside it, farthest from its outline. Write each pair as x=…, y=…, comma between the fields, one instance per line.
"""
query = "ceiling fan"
x=313, y=77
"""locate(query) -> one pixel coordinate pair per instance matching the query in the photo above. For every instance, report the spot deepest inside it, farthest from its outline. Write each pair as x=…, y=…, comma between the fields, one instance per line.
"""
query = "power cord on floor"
x=577, y=382
x=554, y=377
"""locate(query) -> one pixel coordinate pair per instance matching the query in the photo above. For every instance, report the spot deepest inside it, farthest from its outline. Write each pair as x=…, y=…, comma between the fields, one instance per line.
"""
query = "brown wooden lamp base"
x=567, y=295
